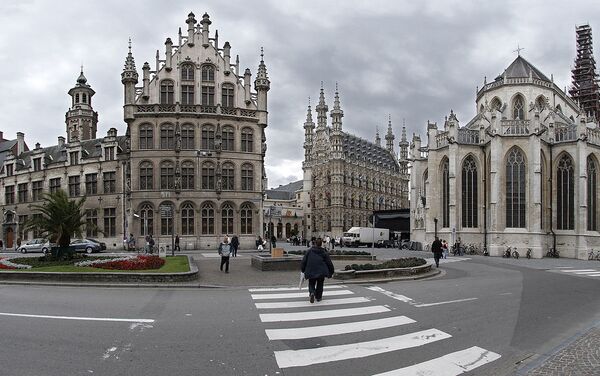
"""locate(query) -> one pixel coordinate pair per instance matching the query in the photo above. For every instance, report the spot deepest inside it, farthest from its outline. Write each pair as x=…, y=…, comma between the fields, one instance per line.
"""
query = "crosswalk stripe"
x=564, y=267
x=316, y=315
x=273, y=289
x=330, y=330
x=306, y=303
x=305, y=357
x=579, y=270
x=594, y=275
x=448, y=365
x=583, y=273
x=298, y=295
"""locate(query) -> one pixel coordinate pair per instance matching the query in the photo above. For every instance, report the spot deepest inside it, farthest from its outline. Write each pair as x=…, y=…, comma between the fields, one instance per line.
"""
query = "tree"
x=59, y=219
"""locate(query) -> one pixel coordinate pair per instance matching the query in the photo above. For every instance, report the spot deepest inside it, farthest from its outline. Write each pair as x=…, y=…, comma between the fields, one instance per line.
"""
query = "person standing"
x=273, y=241
x=445, y=249
x=177, y=248
x=259, y=244
x=316, y=265
x=436, y=248
x=151, y=242
x=225, y=251
x=235, y=243
x=131, y=243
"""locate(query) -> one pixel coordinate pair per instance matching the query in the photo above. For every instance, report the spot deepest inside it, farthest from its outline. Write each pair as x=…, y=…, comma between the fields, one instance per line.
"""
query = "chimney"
x=1, y=136
x=38, y=146
x=61, y=142
x=20, y=142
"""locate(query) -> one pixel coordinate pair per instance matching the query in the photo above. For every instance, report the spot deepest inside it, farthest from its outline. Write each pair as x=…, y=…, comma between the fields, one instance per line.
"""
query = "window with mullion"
x=469, y=193
x=74, y=186
x=208, y=95
x=208, y=176
x=54, y=185
x=187, y=219
x=227, y=96
x=167, y=138
x=37, y=188
x=445, y=194
x=110, y=182
x=247, y=140
x=187, y=176
x=187, y=137
x=208, y=219
x=167, y=92
x=187, y=94
x=208, y=73
x=565, y=202
x=227, y=219
x=228, y=177
x=227, y=139
x=167, y=176
x=246, y=219
x=22, y=192
x=91, y=220
x=247, y=178
x=208, y=138
x=91, y=184
x=110, y=222
x=592, y=195
x=515, y=189
x=146, y=176
x=146, y=137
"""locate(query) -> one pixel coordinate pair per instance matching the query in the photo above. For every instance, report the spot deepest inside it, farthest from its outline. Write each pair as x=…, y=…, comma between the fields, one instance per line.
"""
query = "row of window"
x=109, y=225
x=518, y=110
x=364, y=182
x=516, y=192
x=359, y=202
x=206, y=223
x=109, y=185
x=210, y=179
x=188, y=137
x=167, y=88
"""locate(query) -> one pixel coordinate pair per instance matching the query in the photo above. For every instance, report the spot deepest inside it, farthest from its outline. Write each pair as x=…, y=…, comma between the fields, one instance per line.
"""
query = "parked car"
x=85, y=245
x=102, y=244
x=35, y=245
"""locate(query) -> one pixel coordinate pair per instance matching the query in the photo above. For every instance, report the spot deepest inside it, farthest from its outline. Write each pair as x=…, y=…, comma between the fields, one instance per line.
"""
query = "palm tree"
x=59, y=219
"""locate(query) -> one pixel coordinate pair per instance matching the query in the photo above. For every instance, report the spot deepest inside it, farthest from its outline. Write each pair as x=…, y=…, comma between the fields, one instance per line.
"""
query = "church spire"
x=309, y=127
x=377, y=138
x=403, y=143
x=336, y=113
x=389, y=137
x=321, y=109
x=129, y=77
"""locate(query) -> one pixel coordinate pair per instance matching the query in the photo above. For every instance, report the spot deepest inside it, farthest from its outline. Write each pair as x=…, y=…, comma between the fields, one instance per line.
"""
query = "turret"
x=309, y=127
x=81, y=120
x=247, y=77
x=191, y=21
x=168, y=53
x=129, y=78
x=146, y=80
x=262, y=86
x=205, y=24
x=389, y=137
x=404, y=144
x=336, y=113
x=377, y=138
x=227, y=57
x=321, y=111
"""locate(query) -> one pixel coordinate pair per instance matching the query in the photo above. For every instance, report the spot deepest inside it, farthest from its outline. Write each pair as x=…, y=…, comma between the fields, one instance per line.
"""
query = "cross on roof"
x=518, y=50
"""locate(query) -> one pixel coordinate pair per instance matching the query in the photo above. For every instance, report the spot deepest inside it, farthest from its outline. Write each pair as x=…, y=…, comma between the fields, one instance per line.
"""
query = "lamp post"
x=435, y=221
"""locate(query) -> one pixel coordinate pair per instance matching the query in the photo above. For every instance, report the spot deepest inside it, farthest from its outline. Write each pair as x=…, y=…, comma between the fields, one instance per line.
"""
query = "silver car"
x=35, y=245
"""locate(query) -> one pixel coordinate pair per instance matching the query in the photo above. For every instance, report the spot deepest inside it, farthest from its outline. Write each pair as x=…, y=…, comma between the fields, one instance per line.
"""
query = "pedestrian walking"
x=273, y=241
x=445, y=249
x=151, y=243
x=260, y=244
x=316, y=265
x=177, y=248
x=332, y=243
x=436, y=248
x=225, y=251
x=235, y=243
x=131, y=243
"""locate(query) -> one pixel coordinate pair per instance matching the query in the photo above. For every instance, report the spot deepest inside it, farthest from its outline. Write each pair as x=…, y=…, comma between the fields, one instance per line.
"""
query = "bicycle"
x=515, y=253
x=593, y=255
x=507, y=253
x=528, y=254
x=552, y=253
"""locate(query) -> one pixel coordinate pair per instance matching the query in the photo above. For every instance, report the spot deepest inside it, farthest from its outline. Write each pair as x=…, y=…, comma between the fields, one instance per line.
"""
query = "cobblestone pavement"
x=579, y=358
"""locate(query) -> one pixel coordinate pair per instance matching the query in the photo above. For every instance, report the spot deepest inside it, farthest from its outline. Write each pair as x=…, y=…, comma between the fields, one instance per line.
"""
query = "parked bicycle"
x=594, y=255
x=552, y=253
x=515, y=253
x=528, y=253
x=507, y=253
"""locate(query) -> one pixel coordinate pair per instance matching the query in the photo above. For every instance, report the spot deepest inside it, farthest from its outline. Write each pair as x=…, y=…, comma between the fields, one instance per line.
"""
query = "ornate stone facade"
x=346, y=177
x=192, y=159
x=522, y=173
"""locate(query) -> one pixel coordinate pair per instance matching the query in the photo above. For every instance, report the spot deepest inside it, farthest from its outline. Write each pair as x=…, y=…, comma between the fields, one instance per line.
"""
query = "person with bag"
x=225, y=251
x=436, y=248
x=316, y=265
x=259, y=244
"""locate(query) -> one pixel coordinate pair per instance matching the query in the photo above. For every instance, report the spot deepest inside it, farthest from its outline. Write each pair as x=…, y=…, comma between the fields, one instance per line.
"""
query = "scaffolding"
x=585, y=89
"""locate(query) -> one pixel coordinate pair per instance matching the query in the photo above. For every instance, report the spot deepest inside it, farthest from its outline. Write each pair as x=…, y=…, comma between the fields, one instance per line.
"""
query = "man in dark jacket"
x=235, y=243
x=316, y=265
x=436, y=248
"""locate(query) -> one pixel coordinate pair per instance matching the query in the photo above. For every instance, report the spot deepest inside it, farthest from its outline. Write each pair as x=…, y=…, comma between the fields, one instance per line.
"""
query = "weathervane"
x=518, y=50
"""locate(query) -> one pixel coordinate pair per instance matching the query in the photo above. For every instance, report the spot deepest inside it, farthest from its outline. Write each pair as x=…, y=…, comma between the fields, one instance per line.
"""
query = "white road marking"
x=579, y=270
x=447, y=302
x=316, y=315
x=594, y=275
x=564, y=267
x=390, y=294
x=305, y=303
x=273, y=289
x=210, y=255
x=76, y=318
x=305, y=357
x=298, y=295
x=583, y=273
x=448, y=365
x=330, y=330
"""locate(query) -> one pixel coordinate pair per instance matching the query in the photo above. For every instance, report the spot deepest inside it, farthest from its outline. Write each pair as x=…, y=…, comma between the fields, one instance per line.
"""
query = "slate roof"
x=356, y=148
x=285, y=192
x=5, y=146
x=521, y=68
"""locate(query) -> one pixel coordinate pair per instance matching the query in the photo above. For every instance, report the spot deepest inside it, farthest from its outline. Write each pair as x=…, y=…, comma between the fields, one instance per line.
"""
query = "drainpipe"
x=551, y=200
x=484, y=202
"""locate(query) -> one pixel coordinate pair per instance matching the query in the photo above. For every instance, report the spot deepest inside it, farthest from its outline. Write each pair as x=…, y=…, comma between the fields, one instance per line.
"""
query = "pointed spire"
x=129, y=71
x=337, y=114
x=389, y=137
x=321, y=109
x=262, y=80
x=309, y=118
x=377, y=138
x=81, y=80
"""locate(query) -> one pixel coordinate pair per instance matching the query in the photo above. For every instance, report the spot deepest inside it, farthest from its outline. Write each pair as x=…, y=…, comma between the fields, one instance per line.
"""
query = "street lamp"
x=435, y=221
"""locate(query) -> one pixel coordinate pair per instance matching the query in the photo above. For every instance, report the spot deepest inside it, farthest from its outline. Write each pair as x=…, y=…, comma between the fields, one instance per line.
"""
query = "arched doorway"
x=10, y=235
x=279, y=230
x=288, y=230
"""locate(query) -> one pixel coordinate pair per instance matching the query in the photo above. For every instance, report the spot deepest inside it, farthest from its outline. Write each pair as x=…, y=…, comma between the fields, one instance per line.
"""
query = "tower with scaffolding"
x=585, y=88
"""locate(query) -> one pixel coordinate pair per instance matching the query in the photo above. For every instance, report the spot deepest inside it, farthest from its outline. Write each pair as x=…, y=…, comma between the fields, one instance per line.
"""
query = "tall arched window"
x=227, y=95
x=592, y=194
x=227, y=138
x=247, y=140
x=515, y=189
x=228, y=177
x=146, y=137
x=495, y=104
x=246, y=218
x=518, y=108
x=540, y=103
x=445, y=193
x=208, y=73
x=166, y=219
x=565, y=200
x=208, y=175
x=187, y=219
x=247, y=177
x=187, y=72
x=187, y=84
x=187, y=137
x=167, y=92
x=146, y=219
x=167, y=175
x=146, y=174
x=167, y=136
x=187, y=175
x=469, y=193
x=227, y=219
x=207, y=213
x=208, y=137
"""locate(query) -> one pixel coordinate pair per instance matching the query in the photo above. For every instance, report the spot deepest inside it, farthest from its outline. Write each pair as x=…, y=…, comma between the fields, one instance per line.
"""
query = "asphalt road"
x=480, y=307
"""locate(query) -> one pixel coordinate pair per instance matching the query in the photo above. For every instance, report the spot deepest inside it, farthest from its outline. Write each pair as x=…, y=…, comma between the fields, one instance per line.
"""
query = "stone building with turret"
x=191, y=162
x=347, y=177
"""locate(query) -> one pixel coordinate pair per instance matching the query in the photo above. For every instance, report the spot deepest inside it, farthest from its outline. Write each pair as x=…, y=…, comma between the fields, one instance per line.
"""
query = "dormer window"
x=74, y=157
x=109, y=153
x=9, y=170
x=166, y=92
x=37, y=164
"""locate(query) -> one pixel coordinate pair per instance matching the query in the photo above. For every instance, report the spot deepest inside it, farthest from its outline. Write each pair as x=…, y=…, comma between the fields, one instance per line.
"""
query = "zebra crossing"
x=589, y=272
x=289, y=318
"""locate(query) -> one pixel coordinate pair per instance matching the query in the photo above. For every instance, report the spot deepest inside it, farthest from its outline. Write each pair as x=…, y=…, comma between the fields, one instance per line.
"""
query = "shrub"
x=37, y=262
x=390, y=264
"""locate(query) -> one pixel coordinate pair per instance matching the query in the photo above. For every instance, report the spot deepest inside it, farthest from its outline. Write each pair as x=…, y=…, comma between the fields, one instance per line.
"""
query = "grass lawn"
x=176, y=264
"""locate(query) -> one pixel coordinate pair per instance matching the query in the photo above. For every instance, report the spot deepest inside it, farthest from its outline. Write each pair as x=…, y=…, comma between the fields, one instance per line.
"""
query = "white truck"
x=357, y=236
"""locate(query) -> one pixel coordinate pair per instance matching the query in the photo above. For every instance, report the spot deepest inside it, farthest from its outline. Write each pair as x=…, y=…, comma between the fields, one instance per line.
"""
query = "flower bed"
x=139, y=262
x=335, y=253
x=6, y=264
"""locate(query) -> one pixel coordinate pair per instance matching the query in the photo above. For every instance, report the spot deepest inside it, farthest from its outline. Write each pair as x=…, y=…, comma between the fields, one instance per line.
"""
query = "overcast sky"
x=415, y=60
